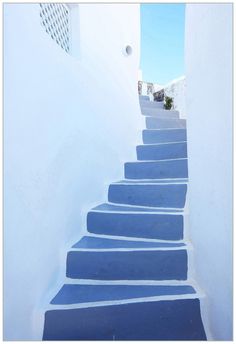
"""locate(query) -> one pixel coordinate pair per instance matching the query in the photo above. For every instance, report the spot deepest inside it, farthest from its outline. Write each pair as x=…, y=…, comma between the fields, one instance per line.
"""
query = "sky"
x=162, y=42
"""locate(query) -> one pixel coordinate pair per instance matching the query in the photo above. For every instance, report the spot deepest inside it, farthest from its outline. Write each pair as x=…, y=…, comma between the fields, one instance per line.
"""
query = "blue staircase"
x=127, y=278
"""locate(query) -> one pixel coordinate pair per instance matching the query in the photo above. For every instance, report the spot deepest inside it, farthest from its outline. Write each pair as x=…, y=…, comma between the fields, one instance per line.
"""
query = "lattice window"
x=55, y=19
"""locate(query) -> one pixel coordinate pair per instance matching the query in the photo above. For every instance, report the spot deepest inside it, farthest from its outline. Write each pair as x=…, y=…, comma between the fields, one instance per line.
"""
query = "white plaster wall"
x=157, y=87
x=176, y=89
x=69, y=124
x=140, y=75
x=208, y=49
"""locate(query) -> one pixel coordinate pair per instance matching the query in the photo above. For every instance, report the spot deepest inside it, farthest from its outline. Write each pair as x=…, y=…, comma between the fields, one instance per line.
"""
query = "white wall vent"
x=55, y=20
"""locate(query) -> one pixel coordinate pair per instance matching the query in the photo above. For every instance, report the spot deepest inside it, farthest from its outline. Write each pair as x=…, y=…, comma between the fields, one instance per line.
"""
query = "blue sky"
x=162, y=42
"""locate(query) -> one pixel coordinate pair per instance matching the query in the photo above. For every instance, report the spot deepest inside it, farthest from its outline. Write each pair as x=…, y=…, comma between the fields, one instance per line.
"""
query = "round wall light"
x=127, y=50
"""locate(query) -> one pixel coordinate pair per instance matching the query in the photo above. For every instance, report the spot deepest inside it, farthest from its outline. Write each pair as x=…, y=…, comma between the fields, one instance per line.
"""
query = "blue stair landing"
x=127, y=278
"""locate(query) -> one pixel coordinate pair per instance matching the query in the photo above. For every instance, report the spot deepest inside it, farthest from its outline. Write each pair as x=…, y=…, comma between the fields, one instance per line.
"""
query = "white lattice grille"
x=55, y=19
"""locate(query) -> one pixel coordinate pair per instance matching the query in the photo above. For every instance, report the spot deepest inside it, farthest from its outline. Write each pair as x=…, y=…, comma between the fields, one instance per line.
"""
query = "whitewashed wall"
x=69, y=124
x=208, y=49
x=176, y=89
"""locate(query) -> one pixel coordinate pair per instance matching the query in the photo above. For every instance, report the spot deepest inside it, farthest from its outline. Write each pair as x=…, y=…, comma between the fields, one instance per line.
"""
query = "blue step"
x=173, y=168
x=144, y=98
x=148, y=194
x=153, y=320
x=128, y=263
x=162, y=151
x=135, y=222
x=151, y=104
x=165, y=123
x=164, y=135
x=157, y=112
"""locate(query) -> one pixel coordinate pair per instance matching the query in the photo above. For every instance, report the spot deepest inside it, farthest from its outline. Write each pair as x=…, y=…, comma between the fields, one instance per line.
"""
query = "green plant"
x=168, y=103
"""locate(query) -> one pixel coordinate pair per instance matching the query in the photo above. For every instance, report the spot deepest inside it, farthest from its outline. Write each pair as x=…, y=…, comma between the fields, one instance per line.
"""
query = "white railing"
x=148, y=88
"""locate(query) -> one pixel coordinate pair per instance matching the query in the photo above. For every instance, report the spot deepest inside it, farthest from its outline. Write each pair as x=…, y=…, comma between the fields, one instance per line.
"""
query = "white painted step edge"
x=137, y=239
x=142, y=161
x=132, y=249
x=126, y=301
x=166, y=128
x=155, y=209
x=182, y=212
x=172, y=282
x=162, y=143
